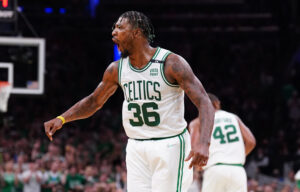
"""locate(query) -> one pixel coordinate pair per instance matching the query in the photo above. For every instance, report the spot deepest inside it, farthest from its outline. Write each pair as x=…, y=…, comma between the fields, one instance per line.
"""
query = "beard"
x=124, y=54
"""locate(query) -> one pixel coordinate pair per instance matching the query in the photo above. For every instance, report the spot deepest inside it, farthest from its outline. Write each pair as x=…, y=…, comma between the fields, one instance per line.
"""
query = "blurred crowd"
x=69, y=163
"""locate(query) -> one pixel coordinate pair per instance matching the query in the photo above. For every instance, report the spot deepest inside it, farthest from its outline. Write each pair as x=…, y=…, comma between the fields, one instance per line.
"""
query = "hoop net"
x=5, y=89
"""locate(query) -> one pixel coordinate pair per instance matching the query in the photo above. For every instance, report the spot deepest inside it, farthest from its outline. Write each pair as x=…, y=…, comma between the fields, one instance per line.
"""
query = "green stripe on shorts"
x=181, y=163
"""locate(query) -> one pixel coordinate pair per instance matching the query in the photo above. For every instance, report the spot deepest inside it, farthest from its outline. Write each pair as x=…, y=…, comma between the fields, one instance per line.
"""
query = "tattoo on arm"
x=82, y=109
x=183, y=74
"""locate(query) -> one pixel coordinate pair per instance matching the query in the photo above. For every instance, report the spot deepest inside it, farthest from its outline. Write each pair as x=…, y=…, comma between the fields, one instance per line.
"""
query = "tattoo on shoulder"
x=110, y=69
x=178, y=67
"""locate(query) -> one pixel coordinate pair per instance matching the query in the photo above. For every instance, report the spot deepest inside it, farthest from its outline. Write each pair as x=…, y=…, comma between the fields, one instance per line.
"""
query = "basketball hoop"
x=5, y=89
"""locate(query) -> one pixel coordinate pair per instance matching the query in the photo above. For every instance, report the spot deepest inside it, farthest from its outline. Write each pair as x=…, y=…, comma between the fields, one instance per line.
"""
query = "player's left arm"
x=248, y=137
x=177, y=70
x=193, y=129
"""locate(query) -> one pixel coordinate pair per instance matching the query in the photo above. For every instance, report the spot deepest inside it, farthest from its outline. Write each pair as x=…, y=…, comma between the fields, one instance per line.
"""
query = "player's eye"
x=113, y=27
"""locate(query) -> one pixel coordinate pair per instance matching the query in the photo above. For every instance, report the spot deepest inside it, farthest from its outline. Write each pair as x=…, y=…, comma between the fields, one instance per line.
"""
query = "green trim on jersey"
x=148, y=64
x=160, y=138
x=237, y=164
x=120, y=70
x=181, y=163
x=163, y=73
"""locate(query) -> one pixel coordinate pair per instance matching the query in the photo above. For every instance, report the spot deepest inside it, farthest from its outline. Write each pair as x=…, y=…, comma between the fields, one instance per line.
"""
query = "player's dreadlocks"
x=140, y=20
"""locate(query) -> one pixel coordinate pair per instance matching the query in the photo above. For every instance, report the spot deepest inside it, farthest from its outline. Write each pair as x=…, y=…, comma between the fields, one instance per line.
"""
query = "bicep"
x=108, y=85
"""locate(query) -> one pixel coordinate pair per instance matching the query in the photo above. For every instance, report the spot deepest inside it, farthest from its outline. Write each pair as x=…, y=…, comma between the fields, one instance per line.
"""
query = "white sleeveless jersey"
x=227, y=144
x=152, y=107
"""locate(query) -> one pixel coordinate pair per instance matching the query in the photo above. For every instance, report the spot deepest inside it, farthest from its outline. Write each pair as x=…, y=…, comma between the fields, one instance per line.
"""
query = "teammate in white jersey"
x=159, y=152
x=231, y=142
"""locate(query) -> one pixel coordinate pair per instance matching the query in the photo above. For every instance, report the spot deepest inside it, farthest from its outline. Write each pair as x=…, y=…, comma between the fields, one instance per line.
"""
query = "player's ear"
x=137, y=33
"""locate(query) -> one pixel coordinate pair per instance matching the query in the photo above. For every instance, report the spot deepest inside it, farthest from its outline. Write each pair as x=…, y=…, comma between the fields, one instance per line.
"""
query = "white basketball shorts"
x=224, y=178
x=158, y=165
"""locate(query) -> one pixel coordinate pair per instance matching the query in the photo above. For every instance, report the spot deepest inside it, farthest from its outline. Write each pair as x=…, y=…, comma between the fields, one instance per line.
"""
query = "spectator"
x=262, y=161
x=73, y=180
x=53, y=153
x=32, y=178
x=297, y=178
x=89, y=175
x=8, y=178
x=36, y=151
x=52, y=178
x=268, y=188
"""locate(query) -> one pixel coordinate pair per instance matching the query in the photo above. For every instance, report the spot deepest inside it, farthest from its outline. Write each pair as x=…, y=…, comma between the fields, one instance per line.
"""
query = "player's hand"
x=52, y=126
x=199, y=156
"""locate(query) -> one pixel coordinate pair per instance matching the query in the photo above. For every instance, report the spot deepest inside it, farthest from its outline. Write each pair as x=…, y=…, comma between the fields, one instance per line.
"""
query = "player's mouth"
x=116, y=42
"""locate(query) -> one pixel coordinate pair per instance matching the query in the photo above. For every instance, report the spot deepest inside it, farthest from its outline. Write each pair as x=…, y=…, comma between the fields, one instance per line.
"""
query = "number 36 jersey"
x=152, y=107
x=227, y=144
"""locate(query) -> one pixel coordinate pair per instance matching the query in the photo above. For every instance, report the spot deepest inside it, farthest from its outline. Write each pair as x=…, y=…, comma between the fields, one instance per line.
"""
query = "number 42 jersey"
x=152, y=107
x=227, y=144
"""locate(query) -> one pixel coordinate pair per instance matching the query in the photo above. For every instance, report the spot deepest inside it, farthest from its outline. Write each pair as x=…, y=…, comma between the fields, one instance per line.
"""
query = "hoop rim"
x=4, y=83
x=5, y=90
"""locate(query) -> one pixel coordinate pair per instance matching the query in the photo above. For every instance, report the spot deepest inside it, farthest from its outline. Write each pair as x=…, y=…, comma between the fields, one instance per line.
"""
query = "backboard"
x=22, y=63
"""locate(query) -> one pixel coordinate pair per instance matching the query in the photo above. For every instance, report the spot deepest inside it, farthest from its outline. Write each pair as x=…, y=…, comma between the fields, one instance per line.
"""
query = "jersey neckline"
x=148, y=64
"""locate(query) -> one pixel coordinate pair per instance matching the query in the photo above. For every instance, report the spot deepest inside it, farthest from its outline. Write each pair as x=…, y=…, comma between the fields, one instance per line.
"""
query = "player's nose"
x=114, y=32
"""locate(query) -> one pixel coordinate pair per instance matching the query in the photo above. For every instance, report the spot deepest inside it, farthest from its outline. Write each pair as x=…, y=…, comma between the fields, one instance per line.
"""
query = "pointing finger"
x=49, y=136
x=189, y=156
x=194, y=162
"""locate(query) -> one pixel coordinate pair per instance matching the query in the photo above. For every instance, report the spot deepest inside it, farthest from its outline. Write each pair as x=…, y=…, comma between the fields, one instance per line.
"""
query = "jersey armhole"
x=163, y=72
x=120, y=70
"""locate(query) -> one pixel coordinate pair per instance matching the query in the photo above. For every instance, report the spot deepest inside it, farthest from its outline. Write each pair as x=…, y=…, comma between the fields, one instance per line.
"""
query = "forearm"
x=82, y=109
x=206, y=118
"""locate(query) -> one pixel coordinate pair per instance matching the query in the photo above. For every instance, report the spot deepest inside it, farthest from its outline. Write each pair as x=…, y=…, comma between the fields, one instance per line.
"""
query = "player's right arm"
x=248, y=137
x=90, y=104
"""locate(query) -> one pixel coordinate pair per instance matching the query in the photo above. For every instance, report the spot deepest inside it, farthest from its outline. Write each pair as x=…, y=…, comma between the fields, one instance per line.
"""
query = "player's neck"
x=141, y=55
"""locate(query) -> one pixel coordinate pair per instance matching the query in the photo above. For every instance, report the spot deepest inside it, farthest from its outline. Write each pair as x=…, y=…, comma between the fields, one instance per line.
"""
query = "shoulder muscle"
x=111, y=73
x=177, y=68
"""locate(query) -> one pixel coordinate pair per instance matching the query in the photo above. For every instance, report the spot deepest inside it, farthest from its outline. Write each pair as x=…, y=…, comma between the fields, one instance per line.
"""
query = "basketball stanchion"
x=5, y=89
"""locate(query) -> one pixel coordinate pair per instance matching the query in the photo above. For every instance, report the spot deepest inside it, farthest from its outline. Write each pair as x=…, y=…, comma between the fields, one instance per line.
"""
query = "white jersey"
x=227, y=144
x=152, y=107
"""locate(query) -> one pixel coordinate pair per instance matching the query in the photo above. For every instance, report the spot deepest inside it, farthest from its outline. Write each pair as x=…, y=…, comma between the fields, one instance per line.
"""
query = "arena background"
x=246, y=52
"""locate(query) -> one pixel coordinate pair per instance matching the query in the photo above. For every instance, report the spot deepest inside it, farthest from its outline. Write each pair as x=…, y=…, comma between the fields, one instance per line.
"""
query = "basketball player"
x=231, y=142
x=153, y=81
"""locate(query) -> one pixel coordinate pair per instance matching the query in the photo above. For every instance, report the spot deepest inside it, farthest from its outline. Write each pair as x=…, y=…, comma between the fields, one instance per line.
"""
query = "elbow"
x=251, y=144
x=253, y=141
